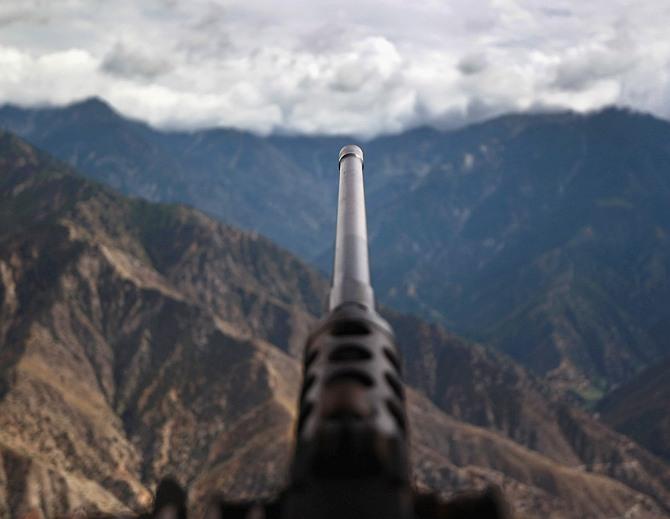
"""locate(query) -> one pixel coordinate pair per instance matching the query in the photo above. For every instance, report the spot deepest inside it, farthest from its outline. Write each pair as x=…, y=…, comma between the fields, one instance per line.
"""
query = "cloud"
x=581, y=68
x=561, y=13
x=363, y=67
x=27, y=79
x=471, y=64
x=130, y=63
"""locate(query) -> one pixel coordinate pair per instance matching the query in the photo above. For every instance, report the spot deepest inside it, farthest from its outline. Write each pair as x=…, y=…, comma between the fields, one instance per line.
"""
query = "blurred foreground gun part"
x=351, y=458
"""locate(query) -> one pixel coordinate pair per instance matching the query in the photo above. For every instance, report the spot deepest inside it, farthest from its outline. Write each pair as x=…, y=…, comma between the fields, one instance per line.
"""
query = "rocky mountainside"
x=641, y=409
x=549, y=237
x=94, y=337
x=545, y=236
x=234, y=176
x=138, y=340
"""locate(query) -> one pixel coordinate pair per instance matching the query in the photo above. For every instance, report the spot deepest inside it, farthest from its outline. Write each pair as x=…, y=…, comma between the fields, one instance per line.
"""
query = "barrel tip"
x=351, y=149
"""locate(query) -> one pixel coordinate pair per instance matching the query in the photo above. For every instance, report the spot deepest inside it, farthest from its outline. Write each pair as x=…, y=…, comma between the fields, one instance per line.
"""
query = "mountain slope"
x=487, y=389
x=138, y=340
x=234, y=176
x=94, y=337
x=639, y=409
x=543, y=235
x=548, y=236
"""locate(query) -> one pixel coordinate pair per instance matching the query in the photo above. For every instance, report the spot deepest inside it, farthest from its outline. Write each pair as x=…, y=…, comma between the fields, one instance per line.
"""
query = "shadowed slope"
x=640, y=409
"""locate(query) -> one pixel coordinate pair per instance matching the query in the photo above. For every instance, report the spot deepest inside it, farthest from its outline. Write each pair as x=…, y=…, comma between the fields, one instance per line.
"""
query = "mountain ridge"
x=178, y=353
x=544, y=235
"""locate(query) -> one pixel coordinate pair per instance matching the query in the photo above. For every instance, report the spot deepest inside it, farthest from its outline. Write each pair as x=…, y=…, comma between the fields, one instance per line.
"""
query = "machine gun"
x=351, y=457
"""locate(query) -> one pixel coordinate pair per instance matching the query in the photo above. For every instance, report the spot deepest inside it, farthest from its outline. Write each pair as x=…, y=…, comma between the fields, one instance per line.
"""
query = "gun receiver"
x=351, y=457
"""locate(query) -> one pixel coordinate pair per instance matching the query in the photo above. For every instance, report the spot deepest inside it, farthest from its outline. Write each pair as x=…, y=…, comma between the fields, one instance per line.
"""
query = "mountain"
x=141, y=339
x=639, y=409
x=487, y=389
x=548, y=238
x=234, y=176
x=545, y=236
x=96, y=341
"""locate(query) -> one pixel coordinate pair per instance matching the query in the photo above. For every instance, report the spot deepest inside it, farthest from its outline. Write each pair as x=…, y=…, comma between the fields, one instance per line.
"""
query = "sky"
x=333, y=67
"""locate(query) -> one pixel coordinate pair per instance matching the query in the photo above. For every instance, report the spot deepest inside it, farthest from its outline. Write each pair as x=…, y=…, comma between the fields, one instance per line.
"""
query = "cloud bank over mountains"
x=364, y=67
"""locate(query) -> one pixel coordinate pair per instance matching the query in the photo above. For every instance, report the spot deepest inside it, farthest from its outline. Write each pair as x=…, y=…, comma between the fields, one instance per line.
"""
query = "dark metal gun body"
x=351, y=457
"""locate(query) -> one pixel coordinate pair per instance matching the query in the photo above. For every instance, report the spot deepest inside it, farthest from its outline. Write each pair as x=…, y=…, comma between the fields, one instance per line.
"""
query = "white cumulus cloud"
x=364, y=67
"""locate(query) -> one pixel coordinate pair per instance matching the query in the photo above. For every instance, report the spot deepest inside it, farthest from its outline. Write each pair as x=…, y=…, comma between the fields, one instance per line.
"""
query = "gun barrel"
x=351, y=268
